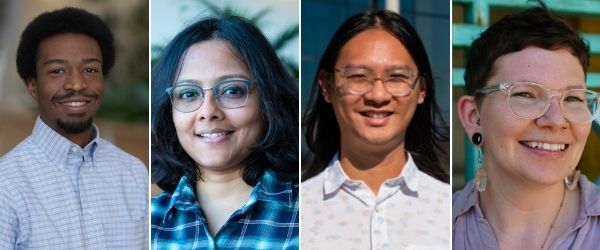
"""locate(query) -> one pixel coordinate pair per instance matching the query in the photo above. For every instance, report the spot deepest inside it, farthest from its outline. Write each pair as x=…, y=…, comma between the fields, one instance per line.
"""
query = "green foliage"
x=127, y=102
x=126, y=89
x=279, y=42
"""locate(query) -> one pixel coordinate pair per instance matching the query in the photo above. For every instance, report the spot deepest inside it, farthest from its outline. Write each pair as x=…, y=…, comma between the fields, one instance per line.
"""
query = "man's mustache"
x=71, y=93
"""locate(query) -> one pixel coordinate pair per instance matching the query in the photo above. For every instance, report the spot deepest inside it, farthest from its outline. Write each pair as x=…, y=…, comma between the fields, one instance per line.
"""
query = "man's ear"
x=326, y=88
x=468, y=114
x=32, y=87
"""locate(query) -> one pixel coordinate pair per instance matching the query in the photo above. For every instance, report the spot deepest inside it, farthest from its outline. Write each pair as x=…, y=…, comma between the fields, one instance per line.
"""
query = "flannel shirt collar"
x=268, y=189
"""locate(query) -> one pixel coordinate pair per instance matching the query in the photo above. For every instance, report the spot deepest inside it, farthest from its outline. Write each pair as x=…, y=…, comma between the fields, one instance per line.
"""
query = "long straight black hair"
x=276, y=150
x=426, y=129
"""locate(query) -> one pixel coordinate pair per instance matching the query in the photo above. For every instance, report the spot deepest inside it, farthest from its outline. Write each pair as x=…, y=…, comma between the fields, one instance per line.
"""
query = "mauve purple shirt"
x=470, y=230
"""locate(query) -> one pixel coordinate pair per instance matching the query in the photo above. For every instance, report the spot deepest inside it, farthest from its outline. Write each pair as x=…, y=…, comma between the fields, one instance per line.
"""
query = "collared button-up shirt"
x=410, y=211
x=472, y=231
x=57, y=195
x=268, y=220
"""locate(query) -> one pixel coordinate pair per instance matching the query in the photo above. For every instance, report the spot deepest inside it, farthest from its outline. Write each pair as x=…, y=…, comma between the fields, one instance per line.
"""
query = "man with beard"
x=64, y=187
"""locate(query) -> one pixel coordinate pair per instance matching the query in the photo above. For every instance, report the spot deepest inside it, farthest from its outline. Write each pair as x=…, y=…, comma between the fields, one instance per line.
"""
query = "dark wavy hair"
x=66, y=20
x=424, y=133
x=535, y=26
x=277, y=150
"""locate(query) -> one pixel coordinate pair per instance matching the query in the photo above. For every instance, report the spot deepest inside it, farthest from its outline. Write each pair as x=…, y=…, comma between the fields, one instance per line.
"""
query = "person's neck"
x=220, y=194
x=82, y=139
x=526, y=216
x=221, y=184
x=373, y=166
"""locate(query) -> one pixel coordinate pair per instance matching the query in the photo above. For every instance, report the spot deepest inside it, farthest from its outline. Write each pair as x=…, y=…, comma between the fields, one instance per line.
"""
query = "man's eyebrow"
x=52, y=61
x=93, y=59
x=63, y=61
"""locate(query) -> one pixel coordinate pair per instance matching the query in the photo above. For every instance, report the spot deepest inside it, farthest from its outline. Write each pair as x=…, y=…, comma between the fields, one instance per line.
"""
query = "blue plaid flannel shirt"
x=268, y=221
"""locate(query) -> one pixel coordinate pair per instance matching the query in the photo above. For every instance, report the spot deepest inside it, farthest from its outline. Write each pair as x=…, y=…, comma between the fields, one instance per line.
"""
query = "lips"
x=215, y=136
x=376, y=114
x=552, y=147
x=376, y=118
x=76, y=106
x=74, y=103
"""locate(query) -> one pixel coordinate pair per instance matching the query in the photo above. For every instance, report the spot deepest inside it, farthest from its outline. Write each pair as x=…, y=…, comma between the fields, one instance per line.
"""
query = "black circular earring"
x=476, y=138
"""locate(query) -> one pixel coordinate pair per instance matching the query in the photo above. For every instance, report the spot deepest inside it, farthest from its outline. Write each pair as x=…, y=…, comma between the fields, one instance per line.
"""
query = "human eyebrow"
x=92, y=60
x=354, y=66
x=579, y=86
x=54, y=61
x=573, y=86
x=231, y=76
x=399, y=68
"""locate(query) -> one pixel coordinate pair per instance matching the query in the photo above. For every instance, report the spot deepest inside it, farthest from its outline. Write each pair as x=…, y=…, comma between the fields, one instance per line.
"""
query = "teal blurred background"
x=469, y=18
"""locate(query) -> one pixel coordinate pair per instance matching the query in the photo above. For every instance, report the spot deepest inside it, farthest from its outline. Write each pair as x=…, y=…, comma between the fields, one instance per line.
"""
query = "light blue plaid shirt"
x=56, y=195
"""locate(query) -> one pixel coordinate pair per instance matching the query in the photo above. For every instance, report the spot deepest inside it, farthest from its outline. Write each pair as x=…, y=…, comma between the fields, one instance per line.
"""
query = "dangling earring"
x=481, y=178
x=572, y=179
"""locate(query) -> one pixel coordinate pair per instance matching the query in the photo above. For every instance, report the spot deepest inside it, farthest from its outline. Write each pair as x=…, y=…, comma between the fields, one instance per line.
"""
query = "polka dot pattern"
x=410, y=211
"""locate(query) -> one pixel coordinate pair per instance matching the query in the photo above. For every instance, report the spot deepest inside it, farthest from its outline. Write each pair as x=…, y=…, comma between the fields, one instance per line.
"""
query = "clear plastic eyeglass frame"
x=591, y=104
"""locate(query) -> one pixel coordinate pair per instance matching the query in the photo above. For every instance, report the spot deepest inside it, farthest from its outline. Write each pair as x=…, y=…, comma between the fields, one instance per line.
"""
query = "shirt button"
x=73, y=149
x=377, y=209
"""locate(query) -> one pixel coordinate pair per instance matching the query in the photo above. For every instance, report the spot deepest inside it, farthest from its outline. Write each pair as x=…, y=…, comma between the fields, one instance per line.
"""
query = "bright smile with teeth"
x=75, y=104
x=213, y=135
x=545, y=146
x=376, y=114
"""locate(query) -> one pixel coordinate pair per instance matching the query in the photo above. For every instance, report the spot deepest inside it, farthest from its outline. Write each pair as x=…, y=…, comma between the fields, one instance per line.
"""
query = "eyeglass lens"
x=529, y=100
x=360, y=80
x=189, y=96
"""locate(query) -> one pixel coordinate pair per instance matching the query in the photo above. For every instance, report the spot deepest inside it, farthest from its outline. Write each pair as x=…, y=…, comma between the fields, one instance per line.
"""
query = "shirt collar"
x=183, y=198
x=590, y=197
x=465, y=200
x=268, y=189
x=469, y=199
x=55, y=146
x=335, y=177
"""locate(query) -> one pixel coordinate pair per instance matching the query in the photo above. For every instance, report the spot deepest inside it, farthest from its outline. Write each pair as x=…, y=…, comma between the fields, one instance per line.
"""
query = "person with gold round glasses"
x=373, y=178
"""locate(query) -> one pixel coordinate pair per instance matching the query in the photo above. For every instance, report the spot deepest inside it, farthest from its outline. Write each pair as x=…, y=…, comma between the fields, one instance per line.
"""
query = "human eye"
x=233, y=90
x=91, y=70
x=186, y=93
x=398, y=77
x=524, y=94
x=527, y=91
x=56, y=71
x=575, y=97
x=357, y=75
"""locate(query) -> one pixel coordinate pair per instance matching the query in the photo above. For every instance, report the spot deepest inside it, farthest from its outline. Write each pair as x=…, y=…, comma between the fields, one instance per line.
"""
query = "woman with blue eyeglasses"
x=221, y=145
x=529, y=113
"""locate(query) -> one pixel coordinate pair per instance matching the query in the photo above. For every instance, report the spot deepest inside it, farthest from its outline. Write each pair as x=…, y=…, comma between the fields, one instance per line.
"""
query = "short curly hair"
x=536, y=26
x=66, y=20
